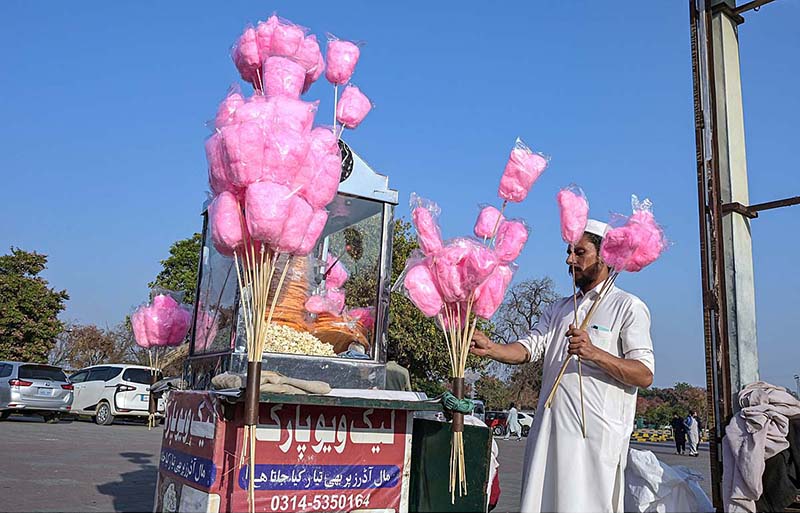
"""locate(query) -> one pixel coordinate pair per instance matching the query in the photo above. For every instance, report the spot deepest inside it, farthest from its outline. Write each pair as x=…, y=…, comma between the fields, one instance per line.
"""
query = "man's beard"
x=586, y=276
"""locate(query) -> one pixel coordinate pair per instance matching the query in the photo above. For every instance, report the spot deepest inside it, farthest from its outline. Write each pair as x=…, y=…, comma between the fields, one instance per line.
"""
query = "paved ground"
x=511, y=455
x=80, y=466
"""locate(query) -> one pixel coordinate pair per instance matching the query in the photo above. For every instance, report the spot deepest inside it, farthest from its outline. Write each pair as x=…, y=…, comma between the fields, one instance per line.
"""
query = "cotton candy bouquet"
x=460, y=280
x=272, y=173
x=160, y=324
x=631, y=244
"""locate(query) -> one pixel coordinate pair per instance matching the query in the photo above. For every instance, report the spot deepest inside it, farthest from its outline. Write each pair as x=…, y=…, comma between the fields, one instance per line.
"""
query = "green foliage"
x=495, y=394
x=179, y=270
x=29, y=309
x=657, y=405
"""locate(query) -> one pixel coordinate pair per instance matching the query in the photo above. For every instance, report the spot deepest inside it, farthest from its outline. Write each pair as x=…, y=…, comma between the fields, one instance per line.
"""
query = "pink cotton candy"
x=264, y=31
x=342, y=59
x=478, y=264
x=286, y=39
x=315, y=73
x=225, y=219
x=635, y=245
x=318, y=179
x=336, y=274
x=574, y=210
x=324, y=141
x=292, y=114
x=226, y=112
x=139, y=332
x=159, y=319
x=246, y=57
x=295, y=226
x=421, y=289
x=488, y=221
x=364, y=315
x=283, y=77
x=511, y=238
x=460, y=267
x=255, y=108
x=353, y=107
x=489, y=294
x=618, y=246
x=285, y=152
x=182, y=320
x=243, y=148
x=266, y=209
x=308, y=54
x=315, y=227
x=428, y=233
x=522, y=170
x=331, y=301
x=217, y=171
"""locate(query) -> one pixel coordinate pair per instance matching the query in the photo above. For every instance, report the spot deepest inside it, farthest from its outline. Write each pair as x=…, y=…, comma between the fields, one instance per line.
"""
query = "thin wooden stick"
x=497, y=223
x=575, y=323
x=606, y=285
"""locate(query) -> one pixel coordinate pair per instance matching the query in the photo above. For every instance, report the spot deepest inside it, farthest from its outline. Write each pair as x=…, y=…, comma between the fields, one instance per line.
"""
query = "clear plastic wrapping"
x=425, y=215
x=522, y=169
x=573, y=208
x=342, y=58
x=353, y=107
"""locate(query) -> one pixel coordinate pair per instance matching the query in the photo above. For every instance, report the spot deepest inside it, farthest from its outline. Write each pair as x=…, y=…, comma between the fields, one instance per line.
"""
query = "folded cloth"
x=227, y=380
x=272, y=382
x=757, y=432
x=281, y=389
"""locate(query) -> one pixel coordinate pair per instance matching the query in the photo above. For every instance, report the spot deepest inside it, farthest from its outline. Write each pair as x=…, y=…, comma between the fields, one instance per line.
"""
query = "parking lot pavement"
x=512, y=454
x=77, y=466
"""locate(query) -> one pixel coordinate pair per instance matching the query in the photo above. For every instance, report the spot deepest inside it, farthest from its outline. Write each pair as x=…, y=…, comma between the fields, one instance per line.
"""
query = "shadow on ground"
x=134, y=490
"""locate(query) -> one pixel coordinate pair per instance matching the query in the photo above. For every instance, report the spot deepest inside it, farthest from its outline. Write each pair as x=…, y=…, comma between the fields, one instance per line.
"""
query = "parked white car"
x=525, y=422
x=113, y=390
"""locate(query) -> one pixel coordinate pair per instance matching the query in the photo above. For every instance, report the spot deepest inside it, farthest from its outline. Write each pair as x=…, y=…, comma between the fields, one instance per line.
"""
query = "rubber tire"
x=526, y=430
x=51, y=418
x=498, y=431
x=4, y=414
x=103, y=415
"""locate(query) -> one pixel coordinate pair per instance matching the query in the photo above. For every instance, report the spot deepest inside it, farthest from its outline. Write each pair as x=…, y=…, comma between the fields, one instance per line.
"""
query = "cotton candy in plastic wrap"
x=283, y=77
x=243, y=150
x=318, y=178
x=342, y=58
x=574, y=210
x=488, y=221
x=217, y=170
x=165, y=321
x=308, y=54
x=511, y=238
x=489, y=294
x=353, y=107
x=264, y=31
x=286, y=38
x=315, y=227
x=182, y=320
x=460, y=266
x=331, y=301
x=226, y=112
x=295, y=225
x=246, y=57
x=292, y=114
x=315, y=73
x=266, y=209
x=424, y=215
x=285, y=152
x=255, y=108
x=335, y=272
x=139, y=332
x=225, y=219
x=324, y=141
x=421, y=289
x=522, y=170
x=635, y=244
x=365, y=315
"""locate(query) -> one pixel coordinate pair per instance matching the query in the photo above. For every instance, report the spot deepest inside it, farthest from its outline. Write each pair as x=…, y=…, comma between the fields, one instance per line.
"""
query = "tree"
x=29, y=308
x=516, y=317
x=179, y=270
x=80, y=346
x=657, y=405
x=494, y=392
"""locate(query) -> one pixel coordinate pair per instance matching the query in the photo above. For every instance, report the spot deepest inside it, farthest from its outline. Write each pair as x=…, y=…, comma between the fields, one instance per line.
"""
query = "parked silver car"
x=35, y=388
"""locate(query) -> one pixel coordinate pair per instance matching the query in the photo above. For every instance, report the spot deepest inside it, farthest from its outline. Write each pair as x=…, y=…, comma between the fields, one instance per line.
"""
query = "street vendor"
x=562, y=470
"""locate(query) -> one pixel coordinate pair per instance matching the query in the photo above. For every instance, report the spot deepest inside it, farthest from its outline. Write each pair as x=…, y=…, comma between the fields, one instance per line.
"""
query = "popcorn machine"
x=330, y=319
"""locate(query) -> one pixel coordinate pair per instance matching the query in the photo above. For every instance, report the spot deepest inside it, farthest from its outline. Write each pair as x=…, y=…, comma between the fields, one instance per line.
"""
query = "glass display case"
x=330, y=320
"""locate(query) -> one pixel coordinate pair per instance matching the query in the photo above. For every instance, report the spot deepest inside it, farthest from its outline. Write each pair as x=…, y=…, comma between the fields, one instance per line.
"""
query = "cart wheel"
x=526, y=430
x=103, y=415
x=498, y=431
x=4, y=414
x=50, y=418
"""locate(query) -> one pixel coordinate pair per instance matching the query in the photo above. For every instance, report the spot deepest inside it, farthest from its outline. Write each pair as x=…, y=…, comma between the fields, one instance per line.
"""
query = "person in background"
x=512, y=425
x=692, y=427
x=679, y=434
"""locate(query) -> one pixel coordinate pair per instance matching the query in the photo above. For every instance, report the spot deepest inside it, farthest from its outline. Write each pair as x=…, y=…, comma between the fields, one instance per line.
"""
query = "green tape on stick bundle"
x=453, y=403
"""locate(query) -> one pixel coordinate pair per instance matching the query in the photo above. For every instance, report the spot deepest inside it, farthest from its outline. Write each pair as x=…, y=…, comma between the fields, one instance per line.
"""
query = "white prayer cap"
x=596, y=227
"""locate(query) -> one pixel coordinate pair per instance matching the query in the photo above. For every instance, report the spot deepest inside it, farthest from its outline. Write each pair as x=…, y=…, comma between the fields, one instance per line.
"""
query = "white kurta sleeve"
x=535, y=342
x=635, y=335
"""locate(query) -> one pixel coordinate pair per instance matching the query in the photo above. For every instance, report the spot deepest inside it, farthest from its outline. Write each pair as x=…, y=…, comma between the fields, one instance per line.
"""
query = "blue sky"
x=104, y=103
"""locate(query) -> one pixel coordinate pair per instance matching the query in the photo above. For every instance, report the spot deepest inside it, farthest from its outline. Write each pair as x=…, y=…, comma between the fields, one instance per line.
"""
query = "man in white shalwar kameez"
x=564, y=471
